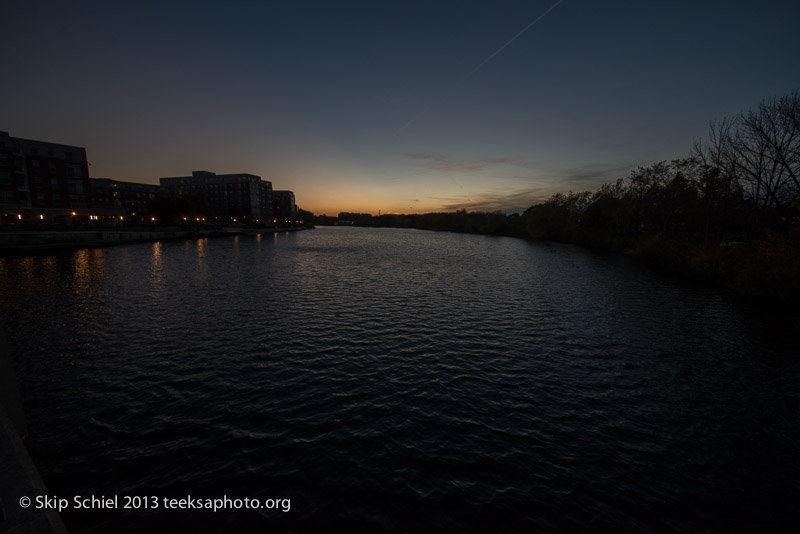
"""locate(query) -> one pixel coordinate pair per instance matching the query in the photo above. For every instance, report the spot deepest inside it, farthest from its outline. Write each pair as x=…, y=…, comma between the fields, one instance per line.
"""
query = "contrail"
x=526, y=28
x=482, y=63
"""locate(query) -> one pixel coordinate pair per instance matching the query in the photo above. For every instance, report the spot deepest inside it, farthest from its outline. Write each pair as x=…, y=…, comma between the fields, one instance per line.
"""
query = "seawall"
x=19, y=478
x=34, y=241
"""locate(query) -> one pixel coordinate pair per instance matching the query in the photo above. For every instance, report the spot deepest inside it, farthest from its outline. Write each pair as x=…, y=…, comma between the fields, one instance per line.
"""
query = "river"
x=402, y=381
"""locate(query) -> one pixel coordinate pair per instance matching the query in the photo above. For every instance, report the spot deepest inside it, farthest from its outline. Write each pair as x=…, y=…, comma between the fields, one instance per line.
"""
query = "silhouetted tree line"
x=495, y=223
x=306, y=217
x=730, y=211
x=358, y=219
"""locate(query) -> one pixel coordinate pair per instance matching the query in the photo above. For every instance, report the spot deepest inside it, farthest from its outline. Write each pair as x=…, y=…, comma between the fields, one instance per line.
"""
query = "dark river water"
x=390, y=380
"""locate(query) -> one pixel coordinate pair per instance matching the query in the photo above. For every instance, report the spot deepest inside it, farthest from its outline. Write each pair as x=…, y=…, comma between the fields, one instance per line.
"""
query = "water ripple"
x=403, y=381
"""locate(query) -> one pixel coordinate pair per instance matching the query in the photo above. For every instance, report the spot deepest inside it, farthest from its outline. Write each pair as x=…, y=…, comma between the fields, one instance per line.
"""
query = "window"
x=51, y=166
x=6, y=197
x=5, y=178
x=36, y=164
x=4, y=160
x=54, y=183
x=75, y=187
x=68, y=156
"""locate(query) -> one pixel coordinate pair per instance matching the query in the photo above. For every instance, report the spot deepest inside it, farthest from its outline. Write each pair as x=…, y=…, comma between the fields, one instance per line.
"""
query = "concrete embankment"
x=43, y=240
x=33, y=241
x=20, y=482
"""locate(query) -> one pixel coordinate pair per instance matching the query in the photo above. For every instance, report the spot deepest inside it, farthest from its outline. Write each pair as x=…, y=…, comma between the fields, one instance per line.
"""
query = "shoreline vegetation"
x=728, y=214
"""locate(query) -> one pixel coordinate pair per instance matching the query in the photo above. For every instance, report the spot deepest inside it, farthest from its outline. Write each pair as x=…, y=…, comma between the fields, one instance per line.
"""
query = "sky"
x=391, y=107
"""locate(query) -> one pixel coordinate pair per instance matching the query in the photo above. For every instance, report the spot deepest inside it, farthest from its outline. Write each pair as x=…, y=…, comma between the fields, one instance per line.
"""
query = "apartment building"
x=43, y=183
x=230, y=197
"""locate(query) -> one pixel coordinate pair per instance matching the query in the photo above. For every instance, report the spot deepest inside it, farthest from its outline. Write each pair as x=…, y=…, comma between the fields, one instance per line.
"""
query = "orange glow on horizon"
x=320, y=204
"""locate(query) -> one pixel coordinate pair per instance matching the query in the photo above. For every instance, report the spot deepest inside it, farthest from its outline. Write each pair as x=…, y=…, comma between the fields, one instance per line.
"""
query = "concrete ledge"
x=36, y=241
x=18, y=475
x=9, y=393
x=43, y=241
x=21, y=479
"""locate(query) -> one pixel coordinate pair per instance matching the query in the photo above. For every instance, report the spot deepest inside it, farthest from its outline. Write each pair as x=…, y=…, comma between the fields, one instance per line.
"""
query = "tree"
x=758, y=154
x=308, y=219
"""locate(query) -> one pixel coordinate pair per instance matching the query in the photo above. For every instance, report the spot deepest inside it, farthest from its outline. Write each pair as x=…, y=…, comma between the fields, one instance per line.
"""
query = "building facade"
x=230, y=197
x=43, y=183
x=283, y=206
x=132, y=199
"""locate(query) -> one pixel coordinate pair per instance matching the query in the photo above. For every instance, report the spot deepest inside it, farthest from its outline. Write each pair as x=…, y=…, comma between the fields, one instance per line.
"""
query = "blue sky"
x=391, y=106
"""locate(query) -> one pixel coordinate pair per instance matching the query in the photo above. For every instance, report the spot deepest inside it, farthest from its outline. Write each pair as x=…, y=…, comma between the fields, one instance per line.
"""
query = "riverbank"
x=766, y=267
x=21, y=479
x=26, y=242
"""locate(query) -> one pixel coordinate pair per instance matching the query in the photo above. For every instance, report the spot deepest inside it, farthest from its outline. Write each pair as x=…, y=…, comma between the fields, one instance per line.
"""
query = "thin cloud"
x=425, y=156
x=441, y=163
x=517, y=162
x=447, y=199
x=595, y=174
x=458, y=167
x=514, y=202
x=542, y=183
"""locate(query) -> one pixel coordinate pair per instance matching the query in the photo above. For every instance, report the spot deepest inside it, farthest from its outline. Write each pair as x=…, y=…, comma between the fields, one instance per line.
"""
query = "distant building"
x=283, y=206
x=43, y=183
x=131, y=198
x=238, y=197
x=46, y=184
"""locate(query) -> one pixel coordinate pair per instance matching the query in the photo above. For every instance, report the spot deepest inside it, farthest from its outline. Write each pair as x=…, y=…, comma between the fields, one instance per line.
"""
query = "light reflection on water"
x=484, y=383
